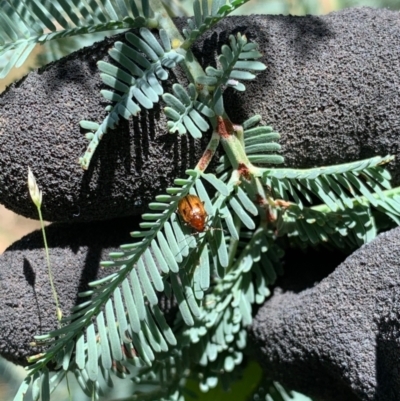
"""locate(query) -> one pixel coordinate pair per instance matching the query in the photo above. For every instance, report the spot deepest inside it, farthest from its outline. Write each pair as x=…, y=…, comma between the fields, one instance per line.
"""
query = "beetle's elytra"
x=192, y=211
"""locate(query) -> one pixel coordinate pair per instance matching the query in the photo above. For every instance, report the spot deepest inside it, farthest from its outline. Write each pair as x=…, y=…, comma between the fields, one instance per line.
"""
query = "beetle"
x=193, y=213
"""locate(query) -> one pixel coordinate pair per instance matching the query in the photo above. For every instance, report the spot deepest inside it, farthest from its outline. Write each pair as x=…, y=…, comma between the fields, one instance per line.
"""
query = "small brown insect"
x=192, y=211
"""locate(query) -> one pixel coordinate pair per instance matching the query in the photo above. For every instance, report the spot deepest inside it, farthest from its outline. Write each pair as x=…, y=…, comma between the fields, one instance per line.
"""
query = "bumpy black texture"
x=26, y=304
x=331, y=89
x=340, y=339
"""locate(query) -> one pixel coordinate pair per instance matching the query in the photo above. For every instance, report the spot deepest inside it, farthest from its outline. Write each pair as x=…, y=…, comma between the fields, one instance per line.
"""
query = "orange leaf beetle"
x=192, y=211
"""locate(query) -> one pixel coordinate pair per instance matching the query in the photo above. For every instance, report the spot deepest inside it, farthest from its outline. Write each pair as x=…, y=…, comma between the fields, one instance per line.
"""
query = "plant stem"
x=209, y=152
x=50, y=272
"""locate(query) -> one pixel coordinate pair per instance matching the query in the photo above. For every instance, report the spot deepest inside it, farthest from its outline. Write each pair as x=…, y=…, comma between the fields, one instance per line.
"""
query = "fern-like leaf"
x=185, y=112
x=350, y=228
x=238, y=62
x=131, y=328
x=135, y=81
x=336, y=186
x=23, y=23
x=216, y=342
x=204, y=17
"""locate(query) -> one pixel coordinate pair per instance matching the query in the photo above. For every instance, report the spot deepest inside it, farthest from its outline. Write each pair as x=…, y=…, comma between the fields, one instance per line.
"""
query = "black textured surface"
x=331, y=88
x=339, y=340
x=26, y=303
